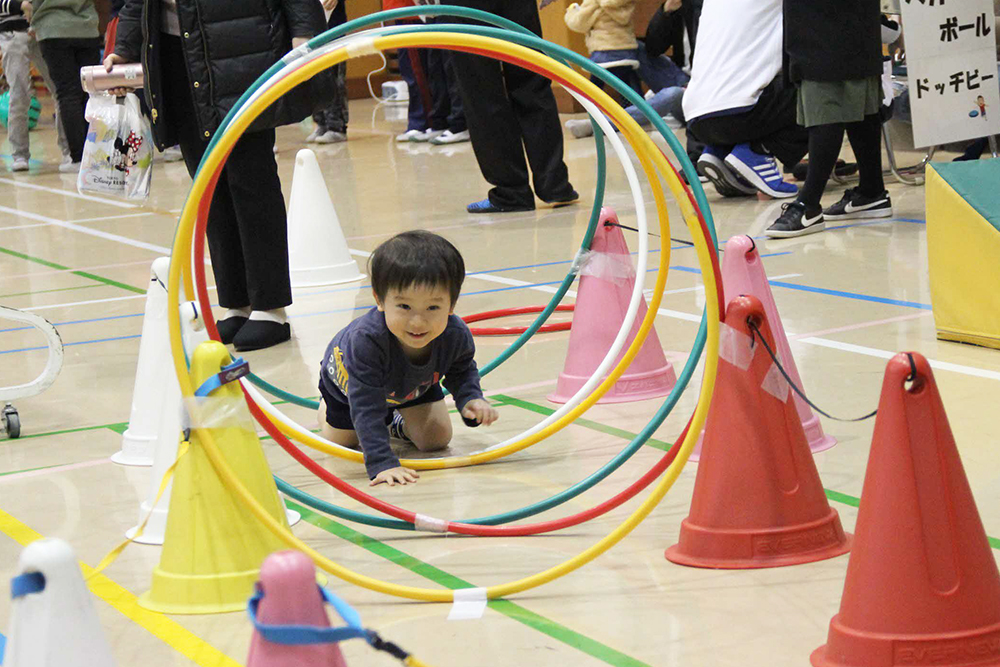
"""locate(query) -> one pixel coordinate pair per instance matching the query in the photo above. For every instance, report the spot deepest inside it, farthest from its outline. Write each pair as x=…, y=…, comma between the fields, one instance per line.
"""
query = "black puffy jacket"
x=832, y=40
x=228, y=44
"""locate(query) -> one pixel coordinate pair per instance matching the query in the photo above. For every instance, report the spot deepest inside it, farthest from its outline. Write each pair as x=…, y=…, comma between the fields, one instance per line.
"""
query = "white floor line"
x=85, y=303
x=116, y=217
x=885, y=354
x=116, y=265
x=36, y=224
x=699, y=288
x=163, y=250
x=67, y=193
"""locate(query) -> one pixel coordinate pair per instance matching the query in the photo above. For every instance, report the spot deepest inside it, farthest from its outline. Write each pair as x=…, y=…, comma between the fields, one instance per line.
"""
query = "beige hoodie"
x=606, y=23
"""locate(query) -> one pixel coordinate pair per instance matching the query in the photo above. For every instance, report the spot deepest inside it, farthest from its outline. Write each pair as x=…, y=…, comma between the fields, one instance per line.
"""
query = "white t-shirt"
x=737, y=53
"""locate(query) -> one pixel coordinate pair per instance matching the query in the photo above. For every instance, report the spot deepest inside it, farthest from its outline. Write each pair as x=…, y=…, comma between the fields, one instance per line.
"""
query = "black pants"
x=447, y=112
x=247, y=226
x=511, y=111
x=64, y=58
x=769, y=127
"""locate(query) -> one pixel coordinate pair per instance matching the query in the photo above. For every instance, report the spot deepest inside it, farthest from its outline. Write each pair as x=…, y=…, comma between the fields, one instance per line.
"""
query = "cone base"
x=136, y=450
x=853, y=648
x=723, y=549
x=152, y=535
x=630, y=387
x=199, y=594
x=817, y=439
x=334, y=274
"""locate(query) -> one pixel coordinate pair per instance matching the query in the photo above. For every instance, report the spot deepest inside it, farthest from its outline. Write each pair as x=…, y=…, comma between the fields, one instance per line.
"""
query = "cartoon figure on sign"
x=124, y=157
x=981, y=103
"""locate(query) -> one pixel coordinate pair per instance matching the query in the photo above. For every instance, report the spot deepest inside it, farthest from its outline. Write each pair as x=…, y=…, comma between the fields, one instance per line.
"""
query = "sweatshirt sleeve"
x=462, y=377
x=580, y=18
x=128, y=37
x=365, y=362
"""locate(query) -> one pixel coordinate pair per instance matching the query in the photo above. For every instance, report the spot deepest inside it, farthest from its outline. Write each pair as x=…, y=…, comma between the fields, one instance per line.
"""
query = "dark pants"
x=447, y=112
x=64, y=58
x=336, y=116
x=510, y=112
x=769, y=127
x=247, y=227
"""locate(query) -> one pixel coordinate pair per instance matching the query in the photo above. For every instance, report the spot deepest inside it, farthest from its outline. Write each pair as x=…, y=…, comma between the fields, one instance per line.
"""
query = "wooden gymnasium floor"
x=849, y=297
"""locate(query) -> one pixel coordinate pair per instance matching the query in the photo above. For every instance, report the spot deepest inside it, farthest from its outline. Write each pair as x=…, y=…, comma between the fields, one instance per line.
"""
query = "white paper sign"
x=951, y=64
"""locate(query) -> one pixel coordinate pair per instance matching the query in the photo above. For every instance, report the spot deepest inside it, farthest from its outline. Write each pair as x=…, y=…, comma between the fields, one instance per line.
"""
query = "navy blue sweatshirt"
x=366, y=368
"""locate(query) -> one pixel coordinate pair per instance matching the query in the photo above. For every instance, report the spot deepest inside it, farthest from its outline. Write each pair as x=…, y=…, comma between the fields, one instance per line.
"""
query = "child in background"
x=381, y=375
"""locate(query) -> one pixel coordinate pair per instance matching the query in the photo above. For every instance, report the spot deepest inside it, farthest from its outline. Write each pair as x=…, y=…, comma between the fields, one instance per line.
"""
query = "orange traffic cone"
x=288, y=596
x=606, y=285
x=758, y=500
x=922, y=584
x=743, y=273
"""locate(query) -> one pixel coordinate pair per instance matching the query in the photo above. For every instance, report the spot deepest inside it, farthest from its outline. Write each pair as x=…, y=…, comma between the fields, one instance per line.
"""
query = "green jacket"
x=62, y=19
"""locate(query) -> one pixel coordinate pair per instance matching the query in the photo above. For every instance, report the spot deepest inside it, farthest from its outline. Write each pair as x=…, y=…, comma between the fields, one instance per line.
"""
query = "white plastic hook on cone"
x=193, y=333
x=53, y=621
x=152, y=371
x=317, y=250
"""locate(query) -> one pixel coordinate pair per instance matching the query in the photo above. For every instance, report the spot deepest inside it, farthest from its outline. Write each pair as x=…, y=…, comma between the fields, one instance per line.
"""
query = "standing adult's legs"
x=535, y=108
x=35, y=54
x=17, y=69
x=866, y=142
x=825, y=142
x=61, y=57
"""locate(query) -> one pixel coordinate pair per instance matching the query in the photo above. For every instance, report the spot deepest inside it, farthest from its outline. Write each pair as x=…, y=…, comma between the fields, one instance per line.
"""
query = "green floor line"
x=15, y=472
x=509, y=609
x=47, y=291
x=116, y=427
x=835, y=496
x=592, y=425
x=82, y=274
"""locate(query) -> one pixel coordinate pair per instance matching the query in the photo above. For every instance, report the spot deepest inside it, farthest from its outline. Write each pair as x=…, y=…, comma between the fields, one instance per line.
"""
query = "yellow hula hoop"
x=309, y=439
x=636, y=136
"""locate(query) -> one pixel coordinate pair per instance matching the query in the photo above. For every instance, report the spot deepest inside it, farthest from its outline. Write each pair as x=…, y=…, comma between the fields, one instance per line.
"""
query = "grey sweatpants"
x=20, y=52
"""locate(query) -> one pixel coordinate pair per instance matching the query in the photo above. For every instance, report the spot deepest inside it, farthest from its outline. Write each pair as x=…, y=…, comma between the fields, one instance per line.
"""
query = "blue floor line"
x=3, y=643
x=81, y=342
x=853, y=295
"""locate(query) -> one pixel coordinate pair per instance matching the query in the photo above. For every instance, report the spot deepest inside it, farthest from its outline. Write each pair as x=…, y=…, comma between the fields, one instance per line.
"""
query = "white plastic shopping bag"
x=118, y=154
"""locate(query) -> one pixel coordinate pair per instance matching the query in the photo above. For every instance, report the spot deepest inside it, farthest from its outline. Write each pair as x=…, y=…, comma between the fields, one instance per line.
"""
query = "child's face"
x=416, y=315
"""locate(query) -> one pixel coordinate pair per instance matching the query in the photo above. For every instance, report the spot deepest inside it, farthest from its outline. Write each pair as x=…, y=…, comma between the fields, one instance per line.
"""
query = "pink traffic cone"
x=606, y=283
x=291, y=597
x=743, y=273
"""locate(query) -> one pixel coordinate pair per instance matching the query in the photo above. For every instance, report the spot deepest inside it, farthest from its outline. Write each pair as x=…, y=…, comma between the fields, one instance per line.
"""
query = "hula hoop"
x=197, y=204
x=569, y=493
x=529, y=437
x=407, y=519
x=510, y=312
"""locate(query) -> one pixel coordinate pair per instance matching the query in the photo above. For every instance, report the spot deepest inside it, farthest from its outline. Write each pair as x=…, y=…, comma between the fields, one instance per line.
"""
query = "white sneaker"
x=429, y=135
x=410, y=135
x=580, y=127
x=172, y=154
x=672, y=122
x=449, y=137
x=19, y=164
x=331, y=137
x=315, y=134
x=69, y=167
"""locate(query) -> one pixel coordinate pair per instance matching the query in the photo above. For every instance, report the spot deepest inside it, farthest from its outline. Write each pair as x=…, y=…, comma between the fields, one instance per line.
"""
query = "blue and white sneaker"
x=396, y=428
x=760, y=170
x=727, y=182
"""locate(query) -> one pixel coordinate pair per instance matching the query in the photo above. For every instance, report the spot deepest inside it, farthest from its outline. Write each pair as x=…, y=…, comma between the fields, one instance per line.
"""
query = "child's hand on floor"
x=397, y=475
x=480, y=410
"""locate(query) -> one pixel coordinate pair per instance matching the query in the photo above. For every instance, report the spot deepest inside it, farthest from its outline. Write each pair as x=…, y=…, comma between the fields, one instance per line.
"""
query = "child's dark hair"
x=416, y=258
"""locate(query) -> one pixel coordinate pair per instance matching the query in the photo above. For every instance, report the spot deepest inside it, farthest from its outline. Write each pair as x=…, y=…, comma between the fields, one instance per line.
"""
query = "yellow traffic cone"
x=214, y=547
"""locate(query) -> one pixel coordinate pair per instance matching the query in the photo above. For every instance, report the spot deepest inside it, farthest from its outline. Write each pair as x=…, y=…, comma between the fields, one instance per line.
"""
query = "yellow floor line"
x=170, y=632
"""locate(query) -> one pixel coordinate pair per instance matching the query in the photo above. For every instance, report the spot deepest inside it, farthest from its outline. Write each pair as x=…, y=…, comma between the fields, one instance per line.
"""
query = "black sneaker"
x=855, y=205
x=796, y=220
x=726, y=181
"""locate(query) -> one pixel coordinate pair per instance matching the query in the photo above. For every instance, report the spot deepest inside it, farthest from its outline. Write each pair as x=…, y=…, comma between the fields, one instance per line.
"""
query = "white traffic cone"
x=53, y=622
x=317, y=250
x=193, y=334
x=153, y=369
